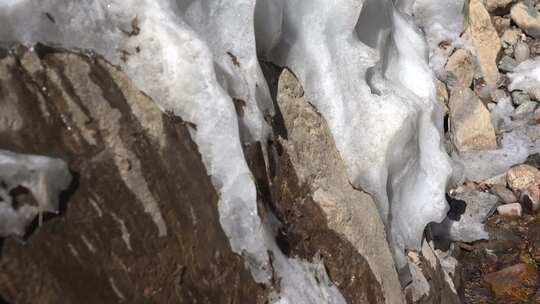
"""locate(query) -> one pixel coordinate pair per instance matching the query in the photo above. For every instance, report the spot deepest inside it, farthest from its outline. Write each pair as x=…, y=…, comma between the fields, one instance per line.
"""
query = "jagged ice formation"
x=364, y=65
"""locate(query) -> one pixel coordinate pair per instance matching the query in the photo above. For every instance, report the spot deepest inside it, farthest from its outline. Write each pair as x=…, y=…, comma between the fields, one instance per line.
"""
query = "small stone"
x=522, y=52
x=484, y=38
x=534, y=93
x=496, y=180
x=460, y=69
x=510, y=37
x=513, y=209
x=506, y=195
x=470, y=122
x=498, y=6
x=514, y=283
x=507, y=64
x=500, y=24
x=530, y=198
x=525, y=110
x=498, y=95
x=521, y=177
x=535, y=48
x=527, y=18
x=520, y=97
x=442, y=94
x=536, y=116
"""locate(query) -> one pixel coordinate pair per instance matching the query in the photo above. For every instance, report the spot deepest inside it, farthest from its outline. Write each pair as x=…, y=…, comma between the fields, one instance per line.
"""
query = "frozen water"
x=365, y=68
x=42, y=176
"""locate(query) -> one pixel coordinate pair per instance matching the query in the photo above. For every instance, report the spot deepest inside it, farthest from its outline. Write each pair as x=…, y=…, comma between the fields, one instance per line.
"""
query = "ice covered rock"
x=470, y=122
x=526, y=77
x=351, y=65
x=43, y=176
x=526, y=16
x=442, y=22
x=484, y=38
x=468, y=226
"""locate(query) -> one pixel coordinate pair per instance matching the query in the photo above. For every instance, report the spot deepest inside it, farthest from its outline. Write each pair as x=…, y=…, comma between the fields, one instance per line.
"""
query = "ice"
x=442, y=22
x=364, y=67
x=42, y=176
x=526, y=76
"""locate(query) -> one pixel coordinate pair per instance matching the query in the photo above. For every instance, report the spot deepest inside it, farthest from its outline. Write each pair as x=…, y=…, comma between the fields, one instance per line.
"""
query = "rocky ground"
x=503, y=269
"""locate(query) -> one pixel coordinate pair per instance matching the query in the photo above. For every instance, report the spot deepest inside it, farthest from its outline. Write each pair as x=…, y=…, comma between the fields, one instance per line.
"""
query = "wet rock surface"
x=140, y=223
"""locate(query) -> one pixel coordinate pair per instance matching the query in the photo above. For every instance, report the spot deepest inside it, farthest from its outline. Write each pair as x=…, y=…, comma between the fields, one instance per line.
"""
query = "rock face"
x=141, y=223
x=482, y=34
x=470, y=122
x=324, y=213
x=526, y=16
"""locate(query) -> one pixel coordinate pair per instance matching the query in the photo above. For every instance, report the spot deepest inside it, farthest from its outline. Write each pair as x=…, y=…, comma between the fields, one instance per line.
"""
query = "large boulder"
x=140, y=223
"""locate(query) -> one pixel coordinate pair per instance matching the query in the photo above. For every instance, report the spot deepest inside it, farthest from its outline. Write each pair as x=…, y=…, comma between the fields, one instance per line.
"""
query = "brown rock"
x=482, y=34
x=530, y=198
x=504, y=193
x=513, y=209
x=521, y=52
x=460, y=69
x=526, y=16
x=106, y=247
x=521, y=177
x=323, y=213
x=514, y=283
x=498, y=6
x=470, y=122
x=500, y=24
x=510, y=37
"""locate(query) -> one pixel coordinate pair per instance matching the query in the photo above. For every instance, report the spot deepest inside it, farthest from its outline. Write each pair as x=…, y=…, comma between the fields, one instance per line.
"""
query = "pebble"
x=520, y=97
x=525, y=110
x=536, y=116
x=521, y=52
x=507, y=64
x=513, y=209
x=522, y=177
x=530, y=198
x=506, y=195
x=498, y=95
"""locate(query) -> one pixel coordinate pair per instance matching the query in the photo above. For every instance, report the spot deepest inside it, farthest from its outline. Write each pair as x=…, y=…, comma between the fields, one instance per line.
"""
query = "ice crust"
x=44, y=177
x=363, y=64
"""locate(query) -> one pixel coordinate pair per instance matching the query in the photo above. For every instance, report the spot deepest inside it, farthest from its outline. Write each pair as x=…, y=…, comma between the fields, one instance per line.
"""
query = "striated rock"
x=514, y=283
x=140, y=224
x=522, y=177
x=498, y=6
x=470, y=122
x=460, y=69
x=322, y=211
x=504, y=194
x=513, y=209
x=526, y=17
x=482, y=34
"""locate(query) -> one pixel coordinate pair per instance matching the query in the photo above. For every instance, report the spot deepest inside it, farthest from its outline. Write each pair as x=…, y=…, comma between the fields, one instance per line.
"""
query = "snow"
x=43, y=176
